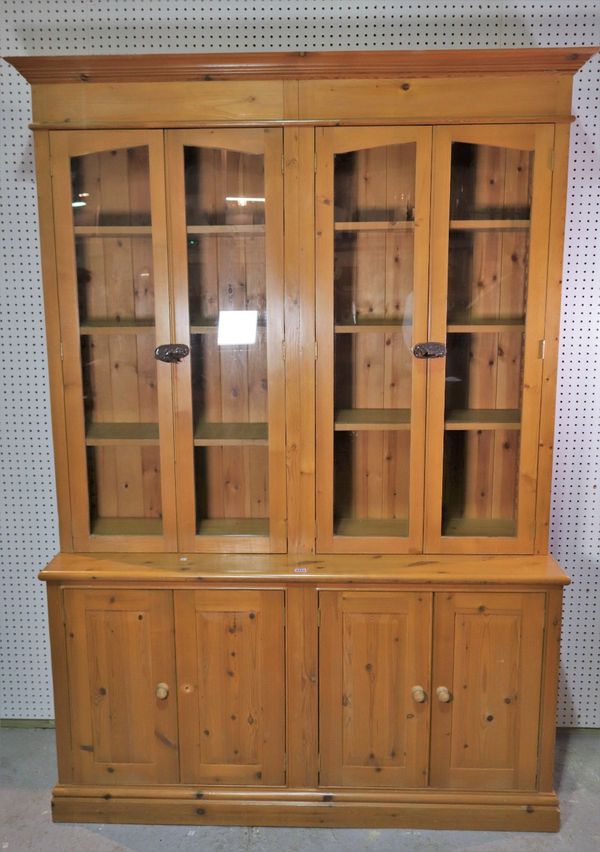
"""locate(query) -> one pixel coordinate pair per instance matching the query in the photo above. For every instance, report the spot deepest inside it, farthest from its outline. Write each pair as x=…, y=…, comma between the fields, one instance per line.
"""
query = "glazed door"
x=490, y=231
x=487, y=670
x=122, y=699
x=375, y=651
x=230, y=670
x=372, y=246
x=226, y=196
x=109, y=210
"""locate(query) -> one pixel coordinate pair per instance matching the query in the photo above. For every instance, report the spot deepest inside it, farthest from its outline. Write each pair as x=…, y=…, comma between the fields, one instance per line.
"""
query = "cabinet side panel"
x=53, y=336
x=60, y=682
x=549, y=689
x=553, y=298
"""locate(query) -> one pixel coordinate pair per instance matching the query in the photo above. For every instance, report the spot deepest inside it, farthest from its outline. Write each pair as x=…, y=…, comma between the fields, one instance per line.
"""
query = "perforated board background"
x=27, y=503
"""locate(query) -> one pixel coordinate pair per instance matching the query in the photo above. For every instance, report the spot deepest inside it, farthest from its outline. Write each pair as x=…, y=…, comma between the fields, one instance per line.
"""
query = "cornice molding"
x=163, y=67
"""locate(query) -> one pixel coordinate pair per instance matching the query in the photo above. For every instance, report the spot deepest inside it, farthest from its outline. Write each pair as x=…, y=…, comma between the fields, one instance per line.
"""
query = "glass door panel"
x=491, y=221
x=229, y=307
x=114, y=252
x=372, y=215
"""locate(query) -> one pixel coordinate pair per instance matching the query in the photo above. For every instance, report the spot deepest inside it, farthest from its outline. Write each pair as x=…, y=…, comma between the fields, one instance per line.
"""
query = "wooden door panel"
x=230, y=661
x=374, y=648
x=488, y=654
x=120, y=646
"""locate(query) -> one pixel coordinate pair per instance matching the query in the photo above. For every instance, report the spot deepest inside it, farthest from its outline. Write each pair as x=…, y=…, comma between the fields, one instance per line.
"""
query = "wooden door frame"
x=330, y=141
x=269, y=142
x=540, y=140
x=63, y=146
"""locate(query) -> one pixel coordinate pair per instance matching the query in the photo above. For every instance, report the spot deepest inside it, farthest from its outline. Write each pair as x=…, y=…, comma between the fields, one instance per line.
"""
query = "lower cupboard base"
x=308, y=809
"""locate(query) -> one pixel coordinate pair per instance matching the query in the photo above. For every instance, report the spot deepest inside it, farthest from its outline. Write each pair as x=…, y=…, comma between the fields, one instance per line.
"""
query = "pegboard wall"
x=28, y=524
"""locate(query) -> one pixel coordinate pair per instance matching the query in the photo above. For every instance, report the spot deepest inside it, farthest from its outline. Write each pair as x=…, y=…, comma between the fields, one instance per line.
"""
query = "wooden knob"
x=443, y=694
x=162, y=691
x=418, y=694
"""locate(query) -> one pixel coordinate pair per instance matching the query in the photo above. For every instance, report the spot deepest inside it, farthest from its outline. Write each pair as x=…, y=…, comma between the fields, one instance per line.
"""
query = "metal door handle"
x=429, y=350
x=171, y=353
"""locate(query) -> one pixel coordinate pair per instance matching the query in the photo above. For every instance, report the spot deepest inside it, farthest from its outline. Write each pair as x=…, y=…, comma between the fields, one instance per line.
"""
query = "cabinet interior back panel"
x=28, y=522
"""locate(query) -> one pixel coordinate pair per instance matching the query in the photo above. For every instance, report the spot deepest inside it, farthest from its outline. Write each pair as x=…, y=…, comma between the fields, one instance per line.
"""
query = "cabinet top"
x=163, y=67
x=438, y=570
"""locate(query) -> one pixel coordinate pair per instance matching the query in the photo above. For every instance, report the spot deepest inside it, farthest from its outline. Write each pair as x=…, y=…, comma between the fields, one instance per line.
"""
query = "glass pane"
x=371, y=483
x=480, y=482
x=113, y=248
x=225, y=210
x=490, y=201
x=374, y=196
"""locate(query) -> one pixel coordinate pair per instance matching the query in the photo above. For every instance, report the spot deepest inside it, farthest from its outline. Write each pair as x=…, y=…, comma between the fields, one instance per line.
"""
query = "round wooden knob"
x=418, y=694
x=162, y=691
x=443, y=694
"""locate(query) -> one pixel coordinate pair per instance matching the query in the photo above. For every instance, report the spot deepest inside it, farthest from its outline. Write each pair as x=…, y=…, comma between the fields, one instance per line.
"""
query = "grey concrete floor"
x=27, y=772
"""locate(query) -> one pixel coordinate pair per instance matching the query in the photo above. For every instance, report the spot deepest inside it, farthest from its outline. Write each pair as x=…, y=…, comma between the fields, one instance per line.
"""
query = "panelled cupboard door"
x=372, y=250
x=375, y=650
x=111, y=250
x=490, y=231
x=487, y=670
x=121, y=662
x=230, y=667
x=226, y=219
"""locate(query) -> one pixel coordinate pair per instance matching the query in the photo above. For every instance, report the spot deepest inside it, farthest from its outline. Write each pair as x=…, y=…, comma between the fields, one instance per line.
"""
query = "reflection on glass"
x=115, y=284
x=374, y=192
x=490, y=201
x=225, y=207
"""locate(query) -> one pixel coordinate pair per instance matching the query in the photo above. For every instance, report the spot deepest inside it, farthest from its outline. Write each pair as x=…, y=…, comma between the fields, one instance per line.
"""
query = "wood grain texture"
x=256, y=66
x=302, y=664
x=331, y=814
x=373, y=650
x=300, y=336
x=446, y=569
x=120, y=645
x=551, y=334
x=231, y=686
x=53, y=337
x=488, y=654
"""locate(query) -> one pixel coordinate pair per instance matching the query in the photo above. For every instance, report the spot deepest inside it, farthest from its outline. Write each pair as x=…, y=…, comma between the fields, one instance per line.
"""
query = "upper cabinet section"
x=368, y=361
x=110, y=216
x=372, y=223
x=491, y=203
x=226, y=190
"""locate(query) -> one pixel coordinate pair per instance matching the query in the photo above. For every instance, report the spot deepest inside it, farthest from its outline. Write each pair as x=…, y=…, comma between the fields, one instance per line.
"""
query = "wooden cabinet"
x=231, y=686
x=302, y=319
x=487, y=676
x=121, y=664
x=374, y=671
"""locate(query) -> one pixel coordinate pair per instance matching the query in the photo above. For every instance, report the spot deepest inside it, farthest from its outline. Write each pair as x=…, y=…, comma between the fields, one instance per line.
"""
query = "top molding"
x=299, y=66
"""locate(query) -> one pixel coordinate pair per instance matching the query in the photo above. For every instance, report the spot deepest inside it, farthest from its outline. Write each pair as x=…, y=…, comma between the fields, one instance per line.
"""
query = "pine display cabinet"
x=302, y=316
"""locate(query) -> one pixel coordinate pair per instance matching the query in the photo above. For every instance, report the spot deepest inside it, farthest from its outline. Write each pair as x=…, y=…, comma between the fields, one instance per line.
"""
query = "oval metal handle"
x=418, y=694
x=429, y=350
x=162, y=691
x=171, y=353
x=444, y=695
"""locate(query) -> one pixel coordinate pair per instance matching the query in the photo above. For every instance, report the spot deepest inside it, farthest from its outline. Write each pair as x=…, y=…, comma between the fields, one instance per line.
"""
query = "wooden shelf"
x=112, y=230
x=200, y=325
x=485, y=527
x=113, y=434
x=127, y=526
x=234, y=526
x=374, y=226
x=483, y=418
x=396, y=527
x=231, y=434
x=492, y=326
x=225, y=229
x=489, y=224
x=107, y=326
x=381, y=326
x=372, y=419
